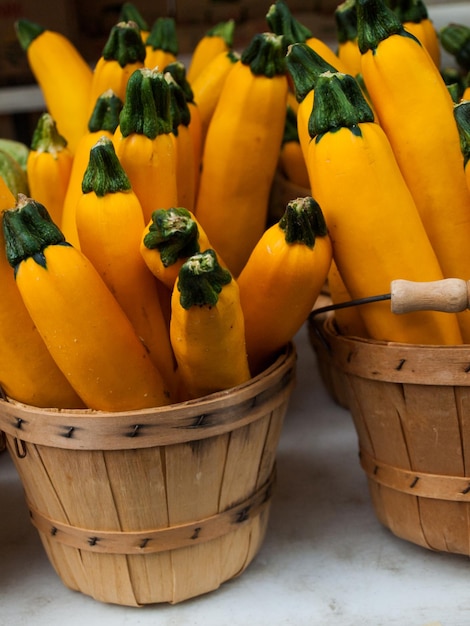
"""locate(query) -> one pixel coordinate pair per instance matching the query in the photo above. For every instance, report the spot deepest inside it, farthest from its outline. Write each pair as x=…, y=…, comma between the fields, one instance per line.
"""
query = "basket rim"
x=211, y=415
x=394, y=362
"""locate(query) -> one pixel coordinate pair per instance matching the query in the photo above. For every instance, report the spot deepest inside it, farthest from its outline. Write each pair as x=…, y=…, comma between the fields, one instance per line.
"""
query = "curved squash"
x=84, y=328
x=28, y=373
x=282, y=280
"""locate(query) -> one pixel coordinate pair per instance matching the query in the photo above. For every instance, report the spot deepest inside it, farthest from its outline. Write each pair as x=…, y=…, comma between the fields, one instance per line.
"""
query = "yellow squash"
x=207, y=327
x=305, y=66
x=144, y=141
x=241, y=151
x=84, y=328
x=414, y=16
x=207, y=86
x=169, y=239
x=346, y=32
x=109, y=224
x=28, y=373
x=416, y=112
x=123, y=53
x=185, y=151
x=217, y=39
x=291, y=159
x=282, y=22
x=63, y=76
x=178, y=72
x=49, y=166
x=374, y=225
x=282, y=280
x=103, y=122
x=161, y=46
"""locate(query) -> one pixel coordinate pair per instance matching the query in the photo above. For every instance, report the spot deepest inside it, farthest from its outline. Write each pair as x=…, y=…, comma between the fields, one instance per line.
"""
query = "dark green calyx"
x=130, y=13
x=28, y=230
x=410, y=10
x=124, y=44
x=180, y=113
x=104, y=173
x=265, y=55
x=163, y=35
x=224, y=30
x=455, y=39
x=462, y=117
x=346, y=21
x=177, y=70
x=201, y=279
x=105, y=115
x=46, y=137
x=376, y=22
x=174, y=233
x=27, y=32
x=146, y=109
x=339, y=103
x=305, y=66
x=291, y=132
x=303, y=222
x=281, y=21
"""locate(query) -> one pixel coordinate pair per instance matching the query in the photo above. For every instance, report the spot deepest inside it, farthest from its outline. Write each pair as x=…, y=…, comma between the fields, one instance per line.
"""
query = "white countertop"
x=326, y=560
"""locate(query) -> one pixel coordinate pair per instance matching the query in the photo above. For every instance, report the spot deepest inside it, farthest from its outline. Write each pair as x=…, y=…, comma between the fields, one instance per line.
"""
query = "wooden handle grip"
x=450, y=295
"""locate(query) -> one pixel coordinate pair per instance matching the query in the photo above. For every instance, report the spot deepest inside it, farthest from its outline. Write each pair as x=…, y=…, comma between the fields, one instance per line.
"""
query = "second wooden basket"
x=156, y=505
x=411, y=409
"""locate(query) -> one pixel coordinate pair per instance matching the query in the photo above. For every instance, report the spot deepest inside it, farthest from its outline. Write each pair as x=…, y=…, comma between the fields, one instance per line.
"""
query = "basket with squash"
x=147, y=330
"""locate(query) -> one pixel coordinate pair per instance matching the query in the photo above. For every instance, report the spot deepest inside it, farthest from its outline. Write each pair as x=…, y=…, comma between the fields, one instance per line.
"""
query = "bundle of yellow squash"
x=140, y=269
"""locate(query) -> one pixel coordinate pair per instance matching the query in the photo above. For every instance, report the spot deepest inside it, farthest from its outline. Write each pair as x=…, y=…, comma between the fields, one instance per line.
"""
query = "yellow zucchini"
x=161, y=46
x=28, y=373
x=282, y=280
x=178, y=72
x=169, y=239
x=103, y=122
x=207, y=328
x=282, y=22
x=241, y=151
x=109, y=225
x=207, y=86
x=346, y=33
x=123, y=53
x=84, y=328
x=185, y=150
x=217, y=39
x=144, y=141
x=49, y=167
x=63, y=76
x=416, y=112
x=374, y=225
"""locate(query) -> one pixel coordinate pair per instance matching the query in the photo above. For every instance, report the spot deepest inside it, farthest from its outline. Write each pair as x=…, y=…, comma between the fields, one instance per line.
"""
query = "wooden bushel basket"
x=411, y=409
x=158, y=505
